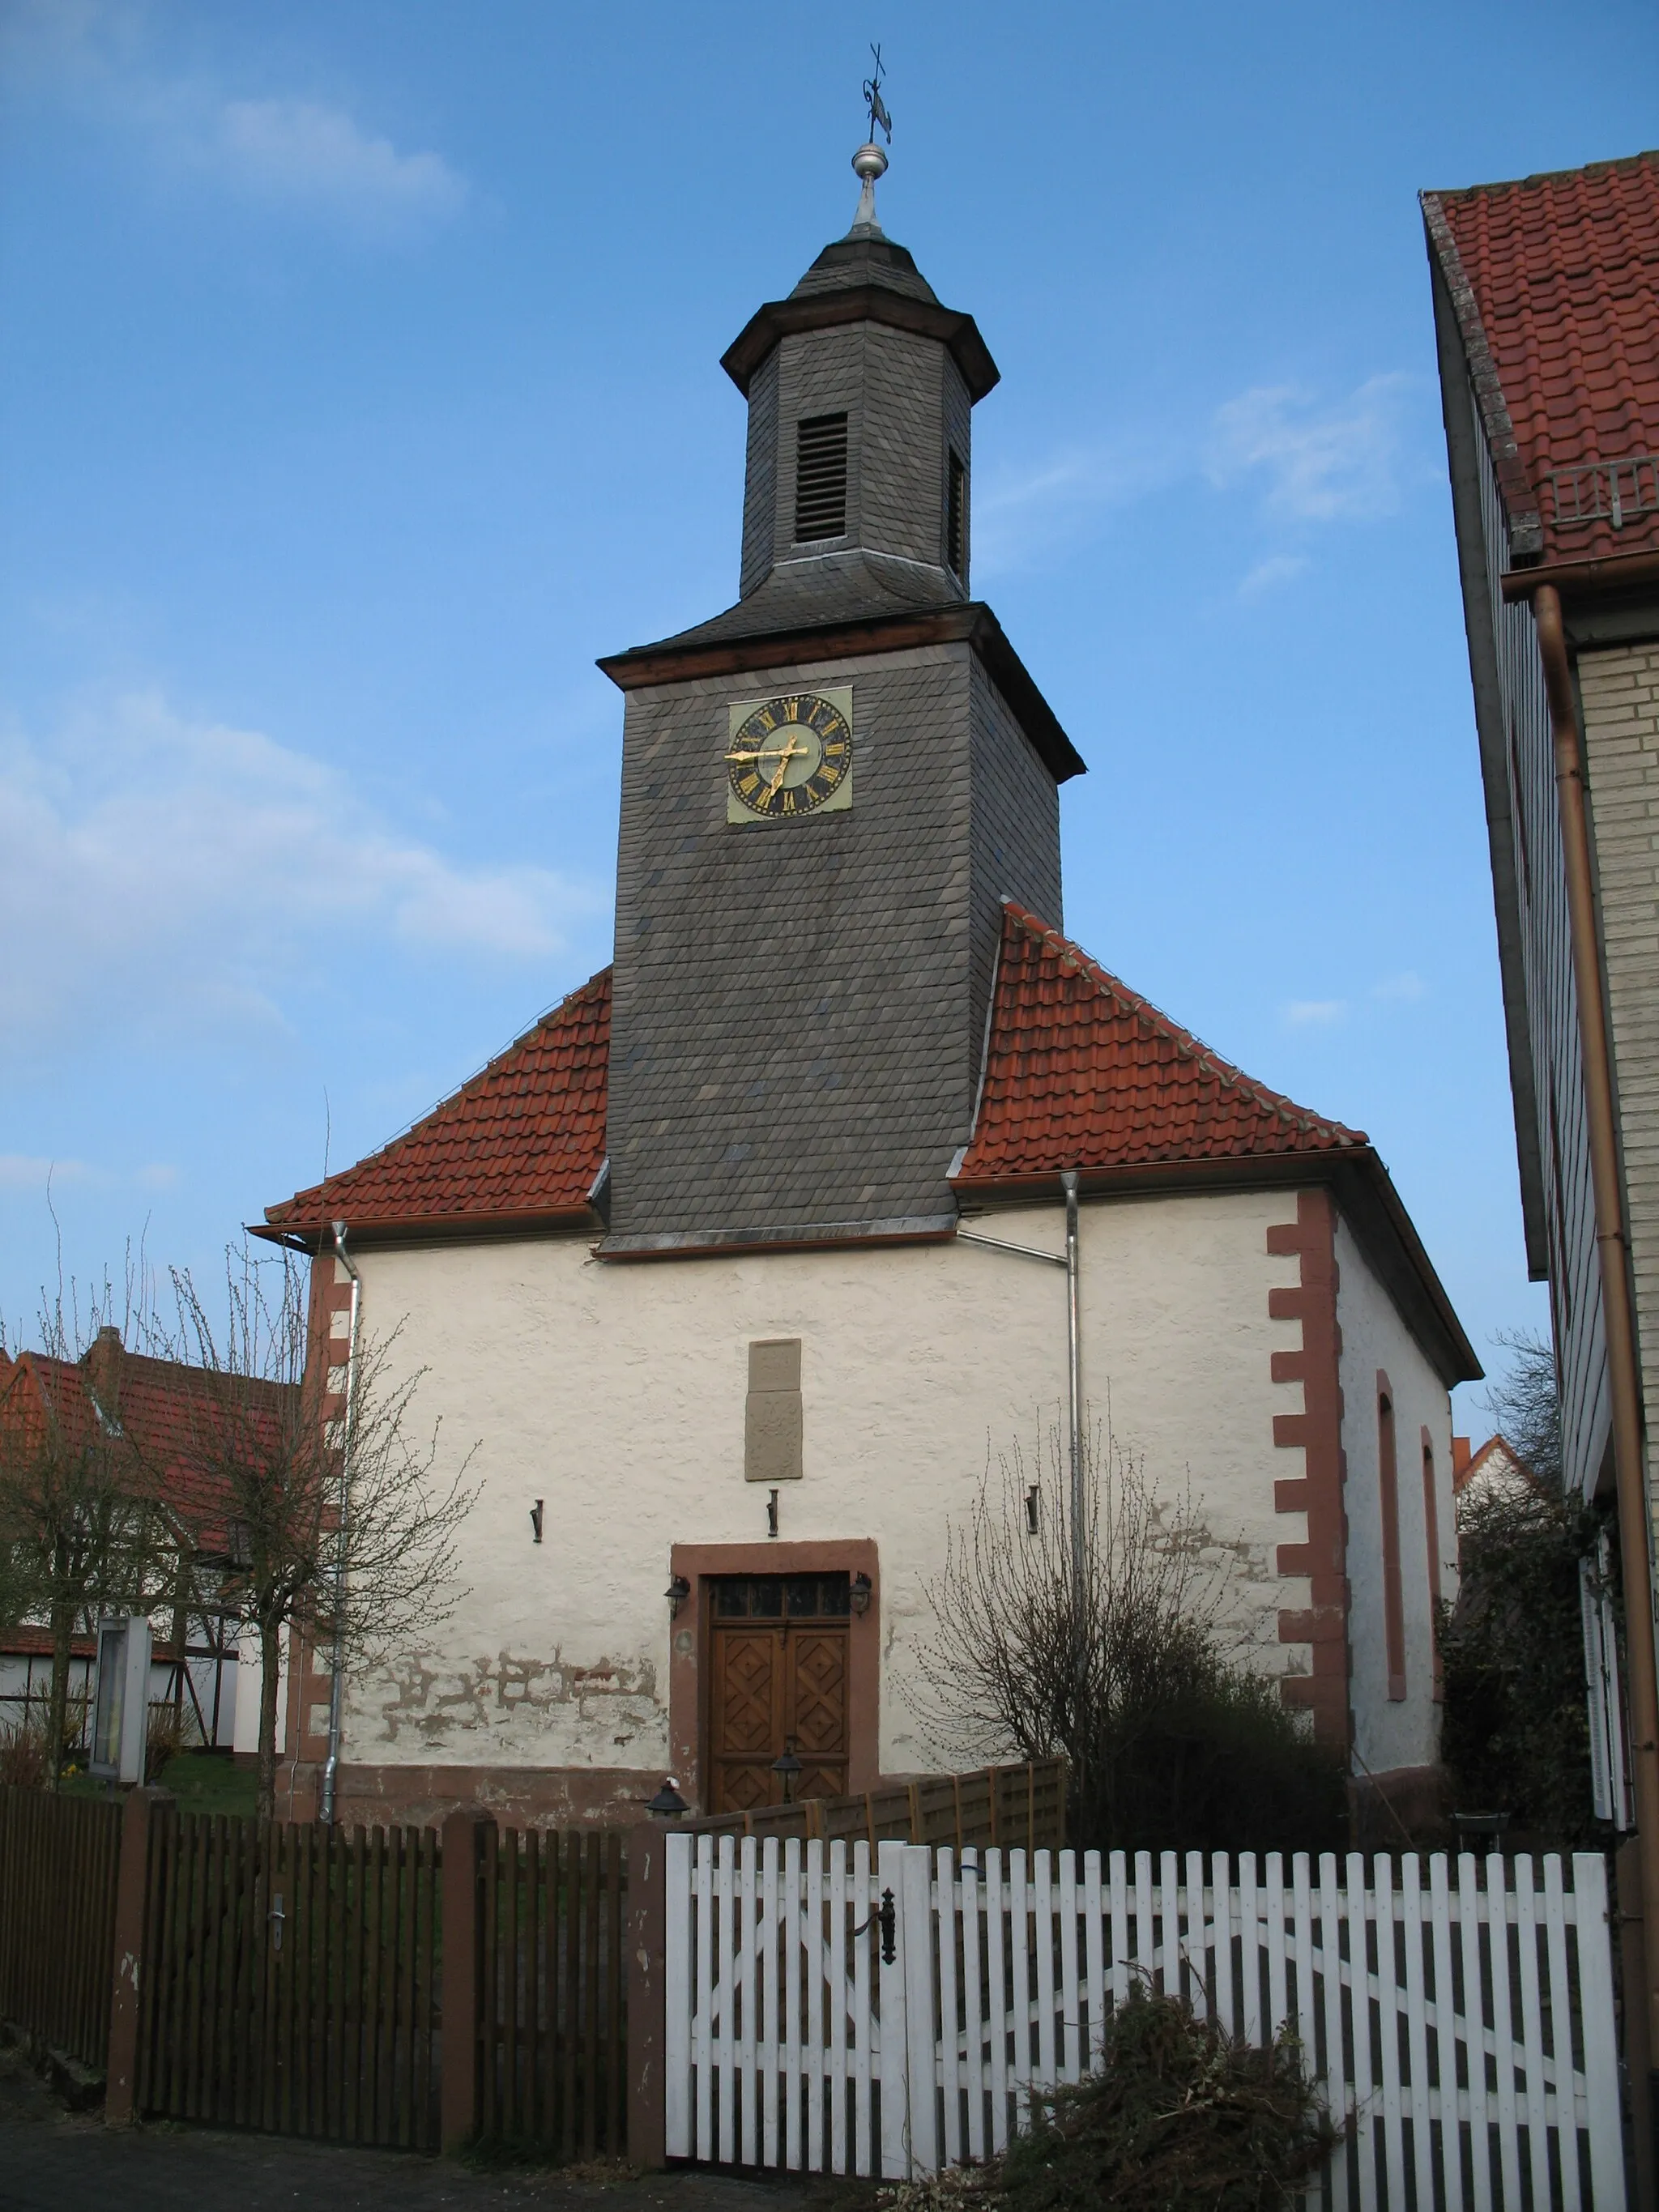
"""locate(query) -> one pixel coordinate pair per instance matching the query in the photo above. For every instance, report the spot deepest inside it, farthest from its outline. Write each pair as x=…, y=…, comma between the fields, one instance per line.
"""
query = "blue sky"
x=362, y=386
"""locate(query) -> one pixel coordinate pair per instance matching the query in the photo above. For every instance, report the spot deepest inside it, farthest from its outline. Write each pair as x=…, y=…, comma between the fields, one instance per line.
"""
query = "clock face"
x=790, y=756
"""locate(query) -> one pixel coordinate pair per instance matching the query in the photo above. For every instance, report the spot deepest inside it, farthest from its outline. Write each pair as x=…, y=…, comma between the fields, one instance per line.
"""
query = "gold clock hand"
x=789, y=753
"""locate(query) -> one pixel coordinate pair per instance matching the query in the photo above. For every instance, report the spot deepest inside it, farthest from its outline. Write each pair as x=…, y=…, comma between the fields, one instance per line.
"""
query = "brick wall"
x=1620, y=690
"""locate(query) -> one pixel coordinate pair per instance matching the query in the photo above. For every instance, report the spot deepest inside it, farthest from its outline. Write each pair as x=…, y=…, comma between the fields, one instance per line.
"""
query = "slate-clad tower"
x=827, y=791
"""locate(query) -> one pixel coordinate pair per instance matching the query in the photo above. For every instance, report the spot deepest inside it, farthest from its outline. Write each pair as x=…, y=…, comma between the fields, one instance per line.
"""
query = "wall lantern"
x=860, y=1593
x=667, y=1804
x=536, y=1522
x=787, y=1766
x=676, y=1593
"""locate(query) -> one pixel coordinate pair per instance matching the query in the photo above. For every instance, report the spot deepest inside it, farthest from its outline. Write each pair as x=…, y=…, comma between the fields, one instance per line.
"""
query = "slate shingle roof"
x=852, y=586
x=864, y=256
x=523, y=1140
x=1556, y=279
x=1082, y=1073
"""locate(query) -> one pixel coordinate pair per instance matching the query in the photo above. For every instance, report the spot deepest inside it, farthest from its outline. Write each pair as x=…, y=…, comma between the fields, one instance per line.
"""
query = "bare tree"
x=355, y=1553
x=1526, y=1405
x=1102, y=1644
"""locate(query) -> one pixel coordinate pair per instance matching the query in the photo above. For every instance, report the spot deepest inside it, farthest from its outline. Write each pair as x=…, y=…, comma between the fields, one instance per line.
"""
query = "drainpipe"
x=1074, y=1364
x=1611, y=1248
x=1074, y=1387
x=337, y=1680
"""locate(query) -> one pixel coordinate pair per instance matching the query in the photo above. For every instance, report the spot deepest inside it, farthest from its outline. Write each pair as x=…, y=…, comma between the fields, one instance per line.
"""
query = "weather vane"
x=879, y=118
x=870, y=162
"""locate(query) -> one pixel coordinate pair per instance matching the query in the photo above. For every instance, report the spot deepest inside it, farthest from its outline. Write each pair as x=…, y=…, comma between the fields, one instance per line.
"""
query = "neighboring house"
x=1492, y=1469
x=146, y=1407
x=688, y=1257
x=1544, y=308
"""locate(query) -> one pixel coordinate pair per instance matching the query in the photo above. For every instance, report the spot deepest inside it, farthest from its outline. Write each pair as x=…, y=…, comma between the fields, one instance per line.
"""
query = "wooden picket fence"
x=292, y=1980
x=1016, y=1807
x=58, y=1861
x=891, y=2012
x=552, y=1994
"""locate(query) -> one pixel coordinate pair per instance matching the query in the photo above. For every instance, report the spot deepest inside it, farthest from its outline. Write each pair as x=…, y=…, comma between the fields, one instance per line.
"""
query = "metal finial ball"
x=869, y=163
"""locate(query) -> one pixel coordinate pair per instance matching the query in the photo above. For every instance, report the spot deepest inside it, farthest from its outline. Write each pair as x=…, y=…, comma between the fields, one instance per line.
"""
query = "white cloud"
x=1312, y=1014
x=1407, y=985
x=18, y=1171
x=307, y=154
x=1025, y=510
x=158, y=873
x=1277, y=569
x=300, y=151
x=1321, y=464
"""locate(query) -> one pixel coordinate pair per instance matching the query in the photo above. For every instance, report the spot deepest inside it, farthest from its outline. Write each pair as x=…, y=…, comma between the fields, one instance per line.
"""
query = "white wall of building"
x=615, y=1394
x=1390, y=1734
x=248, y=1678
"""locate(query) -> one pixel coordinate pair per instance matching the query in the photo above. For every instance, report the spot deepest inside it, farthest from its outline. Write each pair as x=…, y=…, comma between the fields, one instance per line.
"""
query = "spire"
x=870, y=162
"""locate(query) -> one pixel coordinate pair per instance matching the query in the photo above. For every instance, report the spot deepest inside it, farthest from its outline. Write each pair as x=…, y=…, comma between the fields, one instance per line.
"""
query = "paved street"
x=54, y=2162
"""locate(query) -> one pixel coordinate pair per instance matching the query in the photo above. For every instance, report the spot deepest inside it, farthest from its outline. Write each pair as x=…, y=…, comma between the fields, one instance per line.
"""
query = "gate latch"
x=887, y=1918
x=276, y=1917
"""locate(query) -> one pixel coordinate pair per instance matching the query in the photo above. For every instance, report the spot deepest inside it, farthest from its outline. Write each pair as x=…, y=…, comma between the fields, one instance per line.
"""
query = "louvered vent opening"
x=820, y=477
x=955, y=519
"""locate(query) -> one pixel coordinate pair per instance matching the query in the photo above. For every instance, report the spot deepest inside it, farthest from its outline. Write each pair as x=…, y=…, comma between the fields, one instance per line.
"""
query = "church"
x=733, y=1262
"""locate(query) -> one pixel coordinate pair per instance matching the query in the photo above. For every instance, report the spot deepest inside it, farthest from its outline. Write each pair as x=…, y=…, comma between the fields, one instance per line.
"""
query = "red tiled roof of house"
x=1082, y=1073
x=160, y=1415
x=1554, y=279
x=523, y=1140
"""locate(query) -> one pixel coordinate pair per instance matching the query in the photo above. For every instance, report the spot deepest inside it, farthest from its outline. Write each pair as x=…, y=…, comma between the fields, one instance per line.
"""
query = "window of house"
x=1393, y=1601
x=820, y=477
x=956, y=517
x=1431, y=1530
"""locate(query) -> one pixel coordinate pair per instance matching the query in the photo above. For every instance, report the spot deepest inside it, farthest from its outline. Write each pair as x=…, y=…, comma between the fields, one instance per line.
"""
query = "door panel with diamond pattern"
x=772, y=1682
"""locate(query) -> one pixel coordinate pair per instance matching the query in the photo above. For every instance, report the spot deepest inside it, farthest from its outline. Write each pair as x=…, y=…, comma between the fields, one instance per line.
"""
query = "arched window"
x=1388, y=1485
x=1432, y=1530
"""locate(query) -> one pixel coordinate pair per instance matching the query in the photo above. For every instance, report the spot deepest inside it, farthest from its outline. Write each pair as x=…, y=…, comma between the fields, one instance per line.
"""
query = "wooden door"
x=777, y=1676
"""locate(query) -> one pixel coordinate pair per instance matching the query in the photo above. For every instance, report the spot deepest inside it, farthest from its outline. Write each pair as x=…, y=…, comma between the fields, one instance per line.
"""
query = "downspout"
x=1074, y=1387
x=1611, y=1249
x=337, y=1679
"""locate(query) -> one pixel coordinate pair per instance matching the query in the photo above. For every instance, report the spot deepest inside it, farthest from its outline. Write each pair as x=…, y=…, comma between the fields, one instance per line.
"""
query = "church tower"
x=827, y=792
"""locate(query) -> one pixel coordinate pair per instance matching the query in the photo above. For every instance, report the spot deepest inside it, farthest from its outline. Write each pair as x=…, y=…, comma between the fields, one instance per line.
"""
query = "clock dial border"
x=742, y=814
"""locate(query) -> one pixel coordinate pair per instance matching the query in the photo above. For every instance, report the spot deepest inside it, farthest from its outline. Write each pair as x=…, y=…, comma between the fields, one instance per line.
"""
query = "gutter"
x=1603, y=573
x=337, y=1680
x=1612, y=1249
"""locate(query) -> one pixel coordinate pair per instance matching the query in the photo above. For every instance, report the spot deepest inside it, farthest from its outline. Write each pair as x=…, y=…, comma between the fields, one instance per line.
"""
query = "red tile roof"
x=524, y=1141
x=161, y=1412
x=1554, y=279
x=1082, y=1073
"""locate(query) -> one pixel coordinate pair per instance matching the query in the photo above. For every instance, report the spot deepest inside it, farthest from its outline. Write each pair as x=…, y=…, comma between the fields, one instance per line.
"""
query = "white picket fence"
x=836, y=2011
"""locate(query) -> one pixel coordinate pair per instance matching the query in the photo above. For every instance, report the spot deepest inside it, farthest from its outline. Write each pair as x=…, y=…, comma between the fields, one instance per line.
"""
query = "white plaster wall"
x=615, y=1393
x=249, y=1680
x=1388, y=1734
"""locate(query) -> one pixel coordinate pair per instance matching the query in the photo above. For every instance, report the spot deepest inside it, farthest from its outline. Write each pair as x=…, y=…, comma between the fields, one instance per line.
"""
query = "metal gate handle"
x=884, y=1917
x=277, y=1916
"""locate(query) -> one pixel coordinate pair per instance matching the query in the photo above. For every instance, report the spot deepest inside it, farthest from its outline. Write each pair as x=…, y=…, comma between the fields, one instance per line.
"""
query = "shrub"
x=1516, y=1731
x=1180, y=2118
x=23, y=1753
x=1105, y=1646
